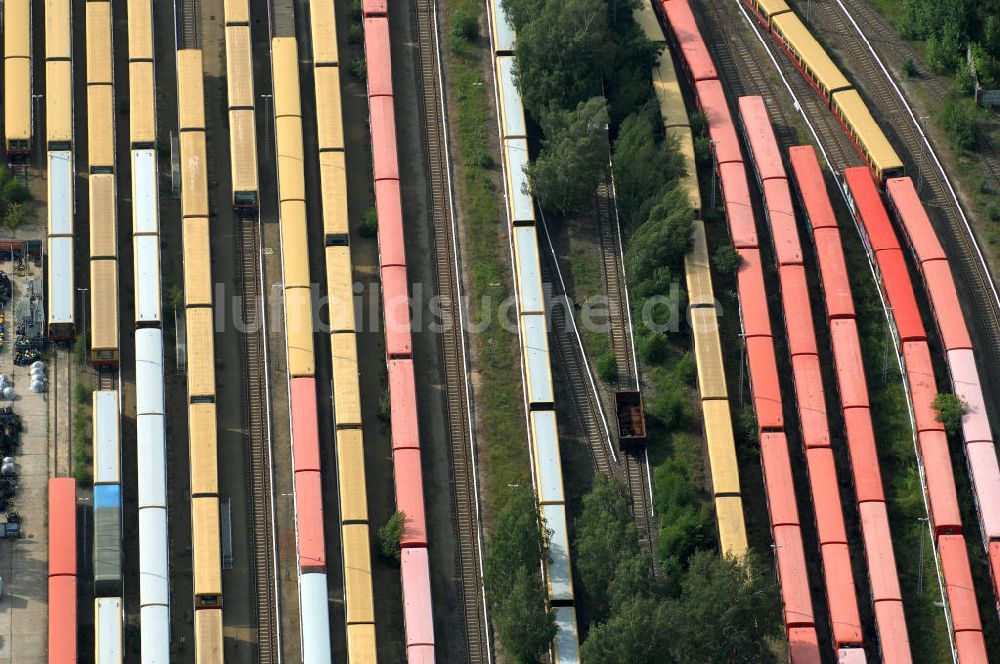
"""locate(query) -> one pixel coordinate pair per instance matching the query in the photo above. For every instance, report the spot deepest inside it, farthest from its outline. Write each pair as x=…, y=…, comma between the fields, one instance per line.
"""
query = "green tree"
x=643, y=167
x=516, y=542
x=728, y=613
x=16, y=191
x=389, y=535
x=573, y=157
x=525, y=626
x=14, y=216
x=638, y=633
x=950, y=409
x=607, y=367
x=959, y=119
x=663, y=239
x=727, y=260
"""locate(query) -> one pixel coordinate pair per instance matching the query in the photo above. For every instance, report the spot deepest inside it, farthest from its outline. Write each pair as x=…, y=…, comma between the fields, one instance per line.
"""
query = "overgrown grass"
x=82, y=453
x=499, y=395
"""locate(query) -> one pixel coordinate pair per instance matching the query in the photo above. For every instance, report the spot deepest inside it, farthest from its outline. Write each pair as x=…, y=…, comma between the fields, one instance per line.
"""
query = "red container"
x=309, y=520
x=881, y=557
x=798, y=310
x=864, y=457
x=826, y=496
x=833, y=273
x=764, y=383
x=778, y=481
x=389, y=206
x=912, y=217
x=410, y=496
x=760, y=136
x=781, y=218
x=849, y=365
x=383, y=127
x=753, y=296
x=403, y=402
x=62, y=526
x=923, y=387
x=305, y=426
x=811, y=401
x=958, y=583
x=396, y=310
x=944, y=301
x=712, y=102
x=378, y=57
x=845, y=620
x=736, y=199
x=940, y=482
x=417, y=613
x=62, y=620
x=793, y=577
x=694, y=55
x=811, y=187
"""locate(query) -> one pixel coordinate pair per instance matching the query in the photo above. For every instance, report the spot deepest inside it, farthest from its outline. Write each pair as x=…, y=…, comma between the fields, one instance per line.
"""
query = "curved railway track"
x=465, y=485
x=840, y=32
x=257, y=458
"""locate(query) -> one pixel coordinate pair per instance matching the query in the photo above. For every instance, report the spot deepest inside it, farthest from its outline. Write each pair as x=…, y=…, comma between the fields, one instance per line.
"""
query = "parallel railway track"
x=971, y=270
x=465, y=492
x=257, y=459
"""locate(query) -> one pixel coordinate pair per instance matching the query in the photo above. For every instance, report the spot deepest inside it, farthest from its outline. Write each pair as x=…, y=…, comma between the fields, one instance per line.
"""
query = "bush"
x=385, y=406
x=607, y=367
x=654, y=348
x=950, y=410
x=15, y=216
x=983, y=186
x=486, y=161
x=80, y=349
x=909, y=68
x=686, y=370
x=992, y=211
x=965, y=81
x=464, y=26
x=670, y=407
x=727, y=260
x=360, y=69
x=389, y=535
x=357, y=9
x=368, y=228
x=81, y=392
x=175, y=298
x=959, y=119
x=355, y=34
x=16, y=191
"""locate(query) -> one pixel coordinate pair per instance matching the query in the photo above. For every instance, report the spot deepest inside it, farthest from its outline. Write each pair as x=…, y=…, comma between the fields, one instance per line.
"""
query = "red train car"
x=309, y=520
x=811, y=187
x=712, y=103
x=958, y=583
x=389, y=207
x=845, y=620
x=396, y=307
x=881, y=558
x=415, y=572
x=764, y=383
x=803, y=646
x=753, y=297
x=760, y=137
x=410, y=496
x=923, y=387
x=382, y=114
x=864, y=457
x=894, y=640
x=798, y=310
x=894, y=279
x=811, y=401
x=945, y=307
x=849, y=363
x=830, y=527
x=374, y=7
x=686, y=36
x=781, y=221
x=736, y=199
x=913, y=220
x=965, y=379
x=793, y=577
x=833, y=273
x=942, y=498
x=778, y=482
x=63, y=624
x=403, y=414
x=305, y=425
x=867, y=205
x=377, y=57
x=62, y=526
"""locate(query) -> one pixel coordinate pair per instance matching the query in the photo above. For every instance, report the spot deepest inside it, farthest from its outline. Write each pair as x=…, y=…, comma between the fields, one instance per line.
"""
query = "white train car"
x=536, y=360
x=107, y=437
x=154, y=568
x=59, y=268
x=108, y=630
x=314, y=603
x=146, y=239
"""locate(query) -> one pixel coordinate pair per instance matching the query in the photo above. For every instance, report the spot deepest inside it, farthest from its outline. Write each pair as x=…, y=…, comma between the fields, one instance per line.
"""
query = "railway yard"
x=298, y=360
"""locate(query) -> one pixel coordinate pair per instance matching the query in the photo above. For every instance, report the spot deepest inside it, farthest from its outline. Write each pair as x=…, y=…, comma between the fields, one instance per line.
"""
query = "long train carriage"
x=62, y=570
x=108, y=620
x=61, y=290
x=58, y=75
x=107, y=548
x=17, y=111
x=200, y=360
x=980, y=449
x=242, y=123
x=884, y=253
x=539, y=394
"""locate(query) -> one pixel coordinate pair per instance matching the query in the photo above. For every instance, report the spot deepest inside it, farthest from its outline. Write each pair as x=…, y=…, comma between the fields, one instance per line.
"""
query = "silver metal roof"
x=60, y=193
x=154, y=631
x=537, y=366
x=149, y=372
x=151, y=453
x=529, y=274
x=560, y=575
x=566, y=647
x=108, y=628
x=145, y=188
x=503, y=32
x=107, y=452
x=548, y=465
x=61, y=285
x=510, y=99
x=154, y=574
x=518, y=193
x=315, y=618
x=147, y=278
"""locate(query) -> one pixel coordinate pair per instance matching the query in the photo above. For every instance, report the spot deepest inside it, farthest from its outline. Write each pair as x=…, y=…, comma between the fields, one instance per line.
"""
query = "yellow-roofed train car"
x=767, y=10
x=323, y=27
x=104, y=311
x=291, y=175
x=100, y=128
x=329, y=126
x=346, y=390
x=197, y=262
x=200, y=354
x=351, y=476
x=203, y=449
x=708, y=353
x=333, y=183
x=59, y=104
x=358, y=600
x=206, y=551
x=58, y=33
x=103, y=216
x=340, y=288
x=239, y=64
x=190, y=90
x=294, y=245
x=285, y=72
x=100, y=66
x=697, y=272
x=194, y=174
x=243, y=152
x=721, y=447
x=142, y=100
x=809, y=55
x=237, y=12
x=732, y=525
x=299, y=332
x=869, y=138
x=208, y=636
x=140, y=30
